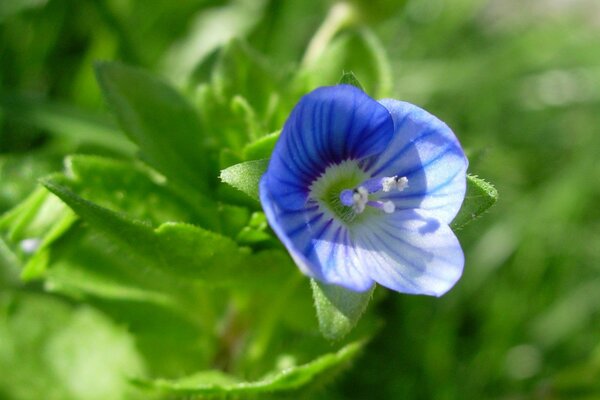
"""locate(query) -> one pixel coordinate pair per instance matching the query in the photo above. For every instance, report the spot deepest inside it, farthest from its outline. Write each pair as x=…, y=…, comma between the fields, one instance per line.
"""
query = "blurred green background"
x=517, y=80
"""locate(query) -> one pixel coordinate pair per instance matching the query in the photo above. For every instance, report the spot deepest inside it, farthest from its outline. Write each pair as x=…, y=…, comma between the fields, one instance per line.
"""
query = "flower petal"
x=329, y=125
x=426, y=151
x=319, y=244
x=410, y=252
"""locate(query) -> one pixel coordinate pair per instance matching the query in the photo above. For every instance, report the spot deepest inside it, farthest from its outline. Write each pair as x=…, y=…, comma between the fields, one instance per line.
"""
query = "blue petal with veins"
x=361, y=191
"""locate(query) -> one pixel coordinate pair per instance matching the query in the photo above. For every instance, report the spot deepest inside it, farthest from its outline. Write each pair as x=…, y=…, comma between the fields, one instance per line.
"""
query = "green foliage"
x=119, y=288
x=480, y=196
x=181, y=249
x=63, y=352
x=348, y=78
x=359, y=51
x=245, y=176
x=294, y=380
x=261, y=148
x=338, y=309
x=161, y=122
x=69, y=122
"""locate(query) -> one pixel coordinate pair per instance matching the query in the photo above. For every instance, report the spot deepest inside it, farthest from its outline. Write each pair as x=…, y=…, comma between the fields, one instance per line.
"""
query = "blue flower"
x=361, y=191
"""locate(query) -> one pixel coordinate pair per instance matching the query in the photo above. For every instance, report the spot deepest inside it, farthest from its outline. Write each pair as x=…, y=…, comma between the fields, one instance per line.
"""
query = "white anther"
x=388, y=207
x=360, y=197
x=401, y=183
x=393, y=182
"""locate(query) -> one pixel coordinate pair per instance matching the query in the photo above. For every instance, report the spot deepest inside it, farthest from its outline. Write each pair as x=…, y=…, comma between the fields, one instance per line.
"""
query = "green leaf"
x=245, y=176
x=63, y=120
x=171, y=318
x=52, y=350
x=287, y=381
x=480, y=196
x=11, y=8
x=261, y=148
x=242, y=110
x=187, y=58
x=160, y=121
x=241, y=70
x=32, y=227
x=255, y=232
x=19, y=174
x=137, y=190
x=244, y=98
x=177, y=249
x=359, y=51
x=348, y=78
x=338, y=309
x=9, y=267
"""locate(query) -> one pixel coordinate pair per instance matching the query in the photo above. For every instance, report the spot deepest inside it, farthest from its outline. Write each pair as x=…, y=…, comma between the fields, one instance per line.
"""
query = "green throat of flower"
x=326, y=189
x=345, y=191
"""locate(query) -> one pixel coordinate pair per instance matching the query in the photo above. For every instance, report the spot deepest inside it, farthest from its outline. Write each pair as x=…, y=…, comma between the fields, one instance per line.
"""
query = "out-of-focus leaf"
x=376, y=11
x=11, y=8
x=31, y=228
x=243, y=99
x=171, y=319
x=255, y=231
x=51, y=350
x=229, y=123
x=9, y=267
x=580, y=380
x=480, y=196
x=242, y=71
x=568, y=315
x=34, y=217
x=210, y=29
x=359, y=51
x=67, y=121
x=19, y=174
x=245, y=176
x=338, y=309
x=290, y=380
x=160, y=121
x=243, y=110
x=261, y=148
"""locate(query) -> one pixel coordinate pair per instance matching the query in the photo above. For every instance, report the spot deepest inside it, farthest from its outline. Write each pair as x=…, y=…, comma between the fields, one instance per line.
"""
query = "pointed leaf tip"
x=338, y=309
x=480, y=196
x=245, y=176
x=348, y=78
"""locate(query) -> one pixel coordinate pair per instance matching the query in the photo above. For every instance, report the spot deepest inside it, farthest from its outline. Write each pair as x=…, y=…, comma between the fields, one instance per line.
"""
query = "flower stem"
x=268, y=323
x=340, y=16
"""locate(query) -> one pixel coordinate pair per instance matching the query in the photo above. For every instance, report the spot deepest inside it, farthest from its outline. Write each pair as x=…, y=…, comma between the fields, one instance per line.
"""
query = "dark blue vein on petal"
x=404, y=149
x=310, y=247
x=411, y=246
x=303, y=226
x=404, y=281
x=332, y=259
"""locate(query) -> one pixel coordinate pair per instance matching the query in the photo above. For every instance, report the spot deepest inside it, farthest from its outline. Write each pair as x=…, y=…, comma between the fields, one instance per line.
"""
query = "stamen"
x=393, y=182
x=387, y=206
x=358, y=198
